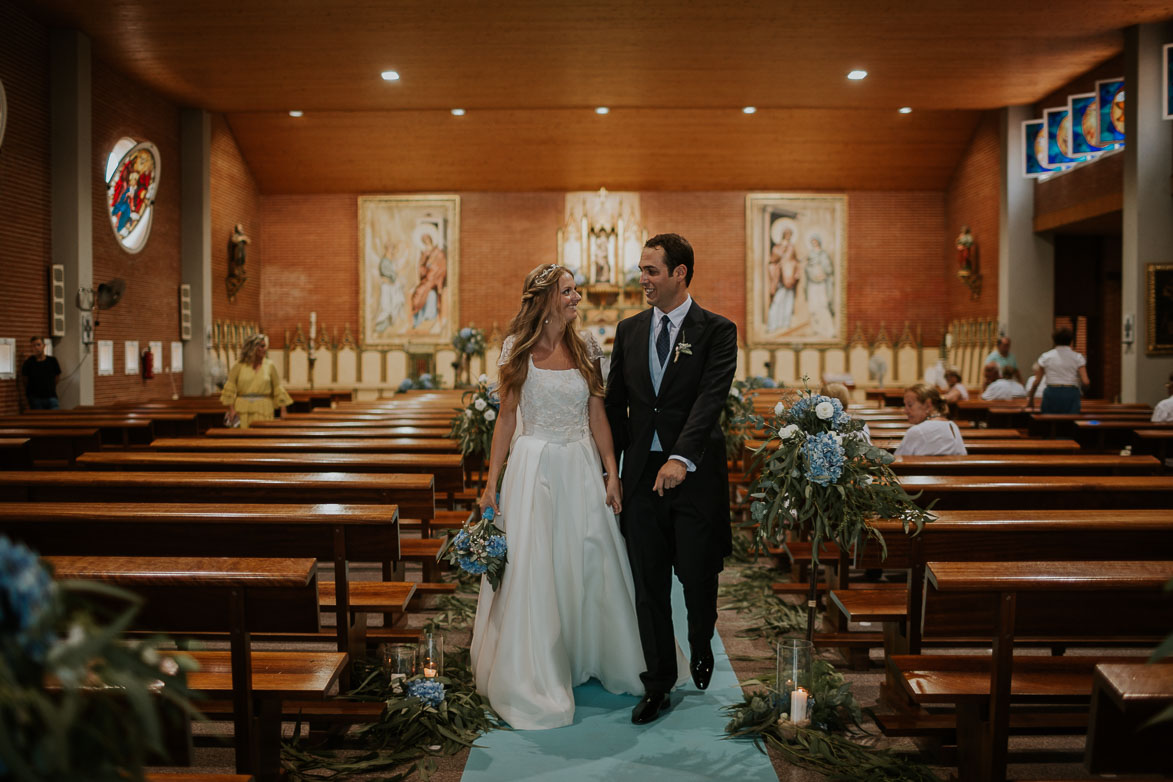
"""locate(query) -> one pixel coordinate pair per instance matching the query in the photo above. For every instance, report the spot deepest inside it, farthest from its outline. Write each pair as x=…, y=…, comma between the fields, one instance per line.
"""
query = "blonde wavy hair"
x=540, y=288
x=927, y=393
x=248, y=351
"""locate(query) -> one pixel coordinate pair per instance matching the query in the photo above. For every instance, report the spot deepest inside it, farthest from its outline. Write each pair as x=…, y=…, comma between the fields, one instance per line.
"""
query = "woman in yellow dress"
x=254, y=389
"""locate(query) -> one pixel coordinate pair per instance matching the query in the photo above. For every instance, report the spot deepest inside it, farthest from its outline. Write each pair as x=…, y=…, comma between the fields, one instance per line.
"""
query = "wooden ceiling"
x=675, y=74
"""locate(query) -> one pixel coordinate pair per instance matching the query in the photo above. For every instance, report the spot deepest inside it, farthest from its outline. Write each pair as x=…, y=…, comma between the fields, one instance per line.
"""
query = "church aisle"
x=684, y=744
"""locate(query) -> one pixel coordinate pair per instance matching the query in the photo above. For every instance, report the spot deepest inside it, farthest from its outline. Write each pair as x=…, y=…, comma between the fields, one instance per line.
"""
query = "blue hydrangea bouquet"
x=818, y=478
x=478, y=548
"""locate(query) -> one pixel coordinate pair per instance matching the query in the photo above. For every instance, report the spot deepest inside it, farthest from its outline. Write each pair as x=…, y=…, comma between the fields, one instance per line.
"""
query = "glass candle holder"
x=399, y=660
x=431, y=654
x=795, y=677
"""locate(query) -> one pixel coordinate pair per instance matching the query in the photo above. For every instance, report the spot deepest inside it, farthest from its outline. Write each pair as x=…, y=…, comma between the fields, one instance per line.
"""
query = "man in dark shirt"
x=41, y=372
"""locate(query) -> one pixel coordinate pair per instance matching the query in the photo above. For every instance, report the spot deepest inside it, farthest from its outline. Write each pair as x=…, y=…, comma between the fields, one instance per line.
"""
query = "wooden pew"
x=1064, y=424
x=305, y=444
x=979, y=446
x=165, y=423
x=1098, y=434
x=15, y=453
x=428, y=428
x=1121, y=739
x=334, y=533
x=60, y=446
x=963, y=492
x=240, y=597
x=114, y=431
x=1155, y=441
x=998, y=601
x=331, y=430
x=1027, y=464
x=447, y=468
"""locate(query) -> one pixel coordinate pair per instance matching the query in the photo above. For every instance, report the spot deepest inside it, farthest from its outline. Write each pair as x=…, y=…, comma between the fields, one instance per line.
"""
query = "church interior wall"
x=149, y=309
x=971, y=199
x=236, y=198
x=24, y=189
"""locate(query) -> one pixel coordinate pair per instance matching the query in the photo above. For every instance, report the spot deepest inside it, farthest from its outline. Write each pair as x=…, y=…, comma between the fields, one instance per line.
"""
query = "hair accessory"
x=544, y=277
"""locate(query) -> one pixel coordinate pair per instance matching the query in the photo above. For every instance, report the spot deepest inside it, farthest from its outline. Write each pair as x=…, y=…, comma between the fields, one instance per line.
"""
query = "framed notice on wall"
x=131, y=356
x=105, y=357
x=1159, y=309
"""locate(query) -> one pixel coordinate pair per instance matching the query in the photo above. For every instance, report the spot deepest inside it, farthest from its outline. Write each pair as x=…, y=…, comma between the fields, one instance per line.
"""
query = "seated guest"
x=1030, y=381
x=1164, y=409
x=955, y=390
x=931, y=434
x=840, y=392
x=1001, y=357
x=1064, y=370
x=990, y=374
x=1006, y=387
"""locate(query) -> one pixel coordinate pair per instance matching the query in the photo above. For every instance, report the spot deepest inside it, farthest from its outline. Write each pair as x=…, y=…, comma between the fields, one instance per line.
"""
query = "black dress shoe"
x=649, y=707
x=702, y=669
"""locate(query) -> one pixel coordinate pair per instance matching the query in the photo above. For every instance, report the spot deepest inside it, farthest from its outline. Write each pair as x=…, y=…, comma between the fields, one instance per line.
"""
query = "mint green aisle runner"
x=602, y=744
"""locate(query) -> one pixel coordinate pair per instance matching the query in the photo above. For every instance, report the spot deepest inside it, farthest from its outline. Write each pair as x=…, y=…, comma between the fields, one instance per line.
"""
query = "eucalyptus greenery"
x=103, y=718
x=409, y=732
x=770, y=617
x=818, y=478
x=736, y=414
x=472, y=427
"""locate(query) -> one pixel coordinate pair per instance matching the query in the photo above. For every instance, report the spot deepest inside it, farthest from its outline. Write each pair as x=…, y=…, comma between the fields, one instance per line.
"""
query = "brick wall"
x=24, y=189
x=894, y=244
x=149, y=310
x=972, y=198
x=235, y=199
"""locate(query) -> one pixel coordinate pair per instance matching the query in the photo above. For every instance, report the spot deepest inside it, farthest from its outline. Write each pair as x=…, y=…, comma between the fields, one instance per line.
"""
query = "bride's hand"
x=489, y=500
x=614, y=493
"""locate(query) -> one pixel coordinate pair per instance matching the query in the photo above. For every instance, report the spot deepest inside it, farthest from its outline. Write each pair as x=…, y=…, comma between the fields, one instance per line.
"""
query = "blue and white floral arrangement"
x=479, y=548
x=472, y=427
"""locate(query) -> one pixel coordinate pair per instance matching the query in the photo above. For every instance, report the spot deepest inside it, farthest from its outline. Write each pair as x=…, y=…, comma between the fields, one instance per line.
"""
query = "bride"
x=565, y=609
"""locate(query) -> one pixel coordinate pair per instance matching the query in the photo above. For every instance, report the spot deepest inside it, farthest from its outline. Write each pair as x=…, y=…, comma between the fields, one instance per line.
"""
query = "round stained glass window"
x=132, y=179
x=3, y=112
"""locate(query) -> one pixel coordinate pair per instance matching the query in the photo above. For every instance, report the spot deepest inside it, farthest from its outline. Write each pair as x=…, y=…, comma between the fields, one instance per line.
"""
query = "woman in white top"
x=931, y=434
x=1164, y=409
x=956, y=390
x=1064, y=370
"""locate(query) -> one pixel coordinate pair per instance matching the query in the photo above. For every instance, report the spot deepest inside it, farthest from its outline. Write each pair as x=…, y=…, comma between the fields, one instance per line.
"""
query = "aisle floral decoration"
x=424, y=382
x=479, y=548
x=472, y=426
x=819, y=479
x=735, y=415
x=104, y=718
x=468, y=342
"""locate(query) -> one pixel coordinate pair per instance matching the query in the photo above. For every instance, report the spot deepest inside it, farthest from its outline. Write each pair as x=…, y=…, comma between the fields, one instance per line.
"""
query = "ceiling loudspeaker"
x=57, y=300
x=185, y=312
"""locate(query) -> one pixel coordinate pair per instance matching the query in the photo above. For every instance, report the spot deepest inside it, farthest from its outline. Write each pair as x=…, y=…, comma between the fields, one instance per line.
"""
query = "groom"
x=671, y=368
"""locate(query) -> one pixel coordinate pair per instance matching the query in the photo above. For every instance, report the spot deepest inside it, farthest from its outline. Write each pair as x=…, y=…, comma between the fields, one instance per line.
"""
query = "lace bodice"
x=553, y=403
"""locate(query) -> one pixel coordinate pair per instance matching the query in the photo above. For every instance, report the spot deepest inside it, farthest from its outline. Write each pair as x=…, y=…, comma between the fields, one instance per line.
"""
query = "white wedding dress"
x=565, y=609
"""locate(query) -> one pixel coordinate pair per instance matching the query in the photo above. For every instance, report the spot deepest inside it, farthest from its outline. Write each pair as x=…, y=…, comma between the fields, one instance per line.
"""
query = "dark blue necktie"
x=663, y=342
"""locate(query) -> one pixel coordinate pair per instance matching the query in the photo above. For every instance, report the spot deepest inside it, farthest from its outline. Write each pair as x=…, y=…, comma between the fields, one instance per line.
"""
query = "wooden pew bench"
x=245, y=442
x=1027, y=464
x=327, y=430
x=997, y=602
x=1020, y=445
x=331, y=533
x=15, y=453
x=1155, y=441
x=1104, y=435
x=56, y=446
x=1064, y=424
x=1121, y=738
x=963, y=492
x=239, y=597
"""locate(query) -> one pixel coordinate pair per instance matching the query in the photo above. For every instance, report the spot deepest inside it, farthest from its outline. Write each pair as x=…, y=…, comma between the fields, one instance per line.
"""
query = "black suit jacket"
x=686, y=411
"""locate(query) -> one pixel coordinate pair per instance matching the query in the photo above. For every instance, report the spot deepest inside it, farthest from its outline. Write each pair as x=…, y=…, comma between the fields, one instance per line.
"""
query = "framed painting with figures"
x=795, y=268
x=1159, y=309
x=409, y=265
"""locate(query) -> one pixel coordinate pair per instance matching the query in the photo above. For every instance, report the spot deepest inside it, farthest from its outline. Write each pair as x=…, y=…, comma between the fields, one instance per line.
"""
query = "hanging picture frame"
x=132, y=181
x=1159, y=309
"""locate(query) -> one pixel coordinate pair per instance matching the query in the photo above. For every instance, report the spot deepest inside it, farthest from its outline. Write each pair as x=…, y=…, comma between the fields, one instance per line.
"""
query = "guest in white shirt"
x=840, y=392
x=956, y=391
x=1065, y=371
x=1006, y=387
x=931, y=434
x=1164, y=409
x=1033, y=379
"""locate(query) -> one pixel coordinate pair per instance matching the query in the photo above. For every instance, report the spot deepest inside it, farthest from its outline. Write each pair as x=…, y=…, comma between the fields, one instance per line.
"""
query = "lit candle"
x=313, y=325
x=430, y=671
x=798, y=705
x=948, y=340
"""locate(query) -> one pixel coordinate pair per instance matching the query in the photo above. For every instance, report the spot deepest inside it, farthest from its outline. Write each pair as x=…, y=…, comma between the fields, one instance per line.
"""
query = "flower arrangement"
x=429, y=691
x=469, y=341
x=102, y=719
x=425, y=382
x=817, y=476
x=479, y=548
x=737, y=411
x=473, y=426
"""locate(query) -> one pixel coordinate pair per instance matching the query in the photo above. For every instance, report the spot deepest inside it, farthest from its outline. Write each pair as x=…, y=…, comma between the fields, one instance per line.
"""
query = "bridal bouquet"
x=818, y=477
x=473, y=426
x=479, y=548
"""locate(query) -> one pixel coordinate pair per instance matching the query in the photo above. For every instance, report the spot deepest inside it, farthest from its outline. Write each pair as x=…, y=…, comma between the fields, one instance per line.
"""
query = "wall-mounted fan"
x=106, y=296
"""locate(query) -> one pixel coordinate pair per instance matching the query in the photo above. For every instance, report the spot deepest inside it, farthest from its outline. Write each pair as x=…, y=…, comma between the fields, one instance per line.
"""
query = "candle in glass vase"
x=798, y=700
x=430, y=671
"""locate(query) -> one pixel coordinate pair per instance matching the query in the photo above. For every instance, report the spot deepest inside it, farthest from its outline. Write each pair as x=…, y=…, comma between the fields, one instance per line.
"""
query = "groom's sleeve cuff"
x=691, y=467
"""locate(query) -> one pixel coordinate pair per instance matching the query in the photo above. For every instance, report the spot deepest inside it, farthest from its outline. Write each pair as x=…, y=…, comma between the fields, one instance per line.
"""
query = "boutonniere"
x=682, y=347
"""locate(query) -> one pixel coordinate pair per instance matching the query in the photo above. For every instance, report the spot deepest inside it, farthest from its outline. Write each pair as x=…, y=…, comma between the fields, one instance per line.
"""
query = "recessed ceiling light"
x=602, y=110
x=390, y=75
x=906, y=109
x=458, y=112
x=857, y=75
x=295, y=113
x=750, y=110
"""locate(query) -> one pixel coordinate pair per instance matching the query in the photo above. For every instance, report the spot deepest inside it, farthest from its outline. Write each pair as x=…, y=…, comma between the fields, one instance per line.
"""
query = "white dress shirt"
x=1061, y=366
x=1163, y=411
x=1004, y=388
x=934, y=437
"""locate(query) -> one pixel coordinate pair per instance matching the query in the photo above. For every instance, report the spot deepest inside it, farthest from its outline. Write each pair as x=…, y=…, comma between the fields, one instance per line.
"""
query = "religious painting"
x=1159, y=309
x=796, y=265
x=132, y=180
x=1110, y=99
x=1034, y=149
x=1084, y=127
x=601, y=237
x=409, y=267
x=1059, y=138
x=1166, y=84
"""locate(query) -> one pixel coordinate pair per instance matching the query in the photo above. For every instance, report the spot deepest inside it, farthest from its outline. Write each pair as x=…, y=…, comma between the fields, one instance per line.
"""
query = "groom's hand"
x=670, y=476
